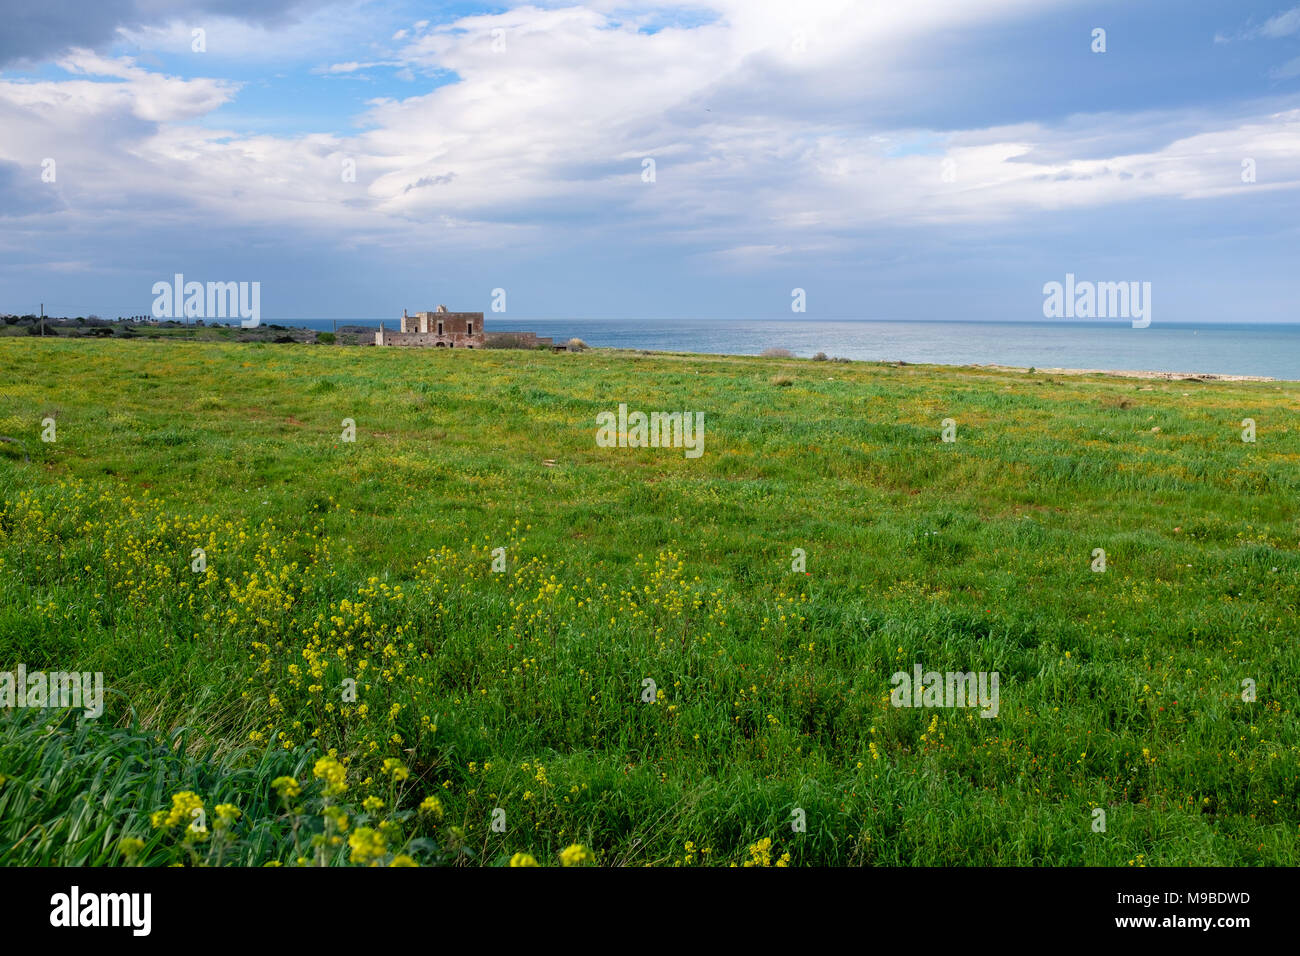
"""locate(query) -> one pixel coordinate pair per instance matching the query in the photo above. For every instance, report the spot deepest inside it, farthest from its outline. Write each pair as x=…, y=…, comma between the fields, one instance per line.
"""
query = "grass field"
x=330, y=562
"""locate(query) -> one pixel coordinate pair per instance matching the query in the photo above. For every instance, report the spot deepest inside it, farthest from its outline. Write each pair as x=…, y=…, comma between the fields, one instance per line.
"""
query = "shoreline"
x=307, y=336
x=1142, y=374
x=1150, y=374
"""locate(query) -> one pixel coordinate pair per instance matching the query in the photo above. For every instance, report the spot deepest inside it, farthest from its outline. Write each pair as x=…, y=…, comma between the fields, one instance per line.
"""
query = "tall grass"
x=524, y=691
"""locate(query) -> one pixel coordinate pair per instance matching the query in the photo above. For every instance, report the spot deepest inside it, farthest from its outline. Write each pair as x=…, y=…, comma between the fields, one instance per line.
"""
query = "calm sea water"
x=1232, y=349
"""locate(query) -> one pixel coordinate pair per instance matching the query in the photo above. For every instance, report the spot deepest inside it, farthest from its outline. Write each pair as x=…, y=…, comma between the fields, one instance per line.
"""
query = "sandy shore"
x=1138, y=373
x=1038, y=370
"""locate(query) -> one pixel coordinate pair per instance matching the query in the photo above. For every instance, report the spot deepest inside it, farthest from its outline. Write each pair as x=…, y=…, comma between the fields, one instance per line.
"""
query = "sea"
x=1271, y=350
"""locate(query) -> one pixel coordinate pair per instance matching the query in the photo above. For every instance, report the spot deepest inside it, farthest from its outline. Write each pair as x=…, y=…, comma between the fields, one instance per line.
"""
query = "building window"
x=440, y=327
x=469, y=328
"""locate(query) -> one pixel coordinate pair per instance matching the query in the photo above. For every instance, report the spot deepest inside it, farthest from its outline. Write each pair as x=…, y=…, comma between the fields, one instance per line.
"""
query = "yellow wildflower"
x=286, y=787
x=336, y=816
x=432, y=806
x=334, y=775
x=577, y=855
x=182, y=810
x=367, y=845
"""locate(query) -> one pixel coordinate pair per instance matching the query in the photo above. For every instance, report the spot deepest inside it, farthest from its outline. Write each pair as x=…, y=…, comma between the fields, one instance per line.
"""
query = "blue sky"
x=922, y=160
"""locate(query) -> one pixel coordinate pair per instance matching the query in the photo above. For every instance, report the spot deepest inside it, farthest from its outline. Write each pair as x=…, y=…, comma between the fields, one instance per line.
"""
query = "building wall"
x=453, y=323
x=421, y=331
x=431, y=339
x=528, y=340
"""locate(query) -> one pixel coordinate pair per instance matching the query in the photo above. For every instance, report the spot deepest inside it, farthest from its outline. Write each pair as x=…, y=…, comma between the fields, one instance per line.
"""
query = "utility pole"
x=42, y=318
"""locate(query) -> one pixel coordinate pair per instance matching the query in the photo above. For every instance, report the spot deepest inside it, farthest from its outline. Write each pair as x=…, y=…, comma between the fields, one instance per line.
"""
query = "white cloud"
x=1288, y=70
x=352, y=66
x=1283, y=24
x=545, y=138
x=319, y=29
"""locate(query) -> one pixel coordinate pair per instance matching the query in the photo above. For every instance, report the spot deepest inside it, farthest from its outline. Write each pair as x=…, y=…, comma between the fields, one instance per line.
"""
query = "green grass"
x=522, y=691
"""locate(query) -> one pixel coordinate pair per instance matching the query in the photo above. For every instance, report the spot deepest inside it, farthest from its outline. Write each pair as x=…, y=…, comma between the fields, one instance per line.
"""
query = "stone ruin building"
x=452, y=330
x=439, y=329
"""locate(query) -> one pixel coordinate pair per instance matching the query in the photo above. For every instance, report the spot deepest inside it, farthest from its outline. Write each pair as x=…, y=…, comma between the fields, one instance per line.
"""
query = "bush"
x=820, y=357
x=577, y=345
x=782, y=381
x=776, y=353
x=325, y=338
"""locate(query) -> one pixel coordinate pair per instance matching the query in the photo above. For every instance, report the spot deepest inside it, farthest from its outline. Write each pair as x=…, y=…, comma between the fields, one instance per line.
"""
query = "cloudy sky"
x=920, y=159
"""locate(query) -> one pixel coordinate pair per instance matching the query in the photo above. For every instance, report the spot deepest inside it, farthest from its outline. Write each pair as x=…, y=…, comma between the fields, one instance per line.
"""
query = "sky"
x=917, y=160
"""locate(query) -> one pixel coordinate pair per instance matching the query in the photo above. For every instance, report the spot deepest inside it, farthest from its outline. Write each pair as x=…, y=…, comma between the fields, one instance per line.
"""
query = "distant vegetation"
x=95, y=327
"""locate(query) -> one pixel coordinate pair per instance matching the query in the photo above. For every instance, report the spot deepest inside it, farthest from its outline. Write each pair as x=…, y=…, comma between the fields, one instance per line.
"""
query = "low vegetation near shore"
x=285, y=562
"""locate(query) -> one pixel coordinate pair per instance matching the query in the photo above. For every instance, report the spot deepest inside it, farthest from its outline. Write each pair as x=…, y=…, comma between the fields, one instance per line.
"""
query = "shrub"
x=577, y=345
x=325, y=338
x=820, y=357
x=777, y=353
x=782, y=381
